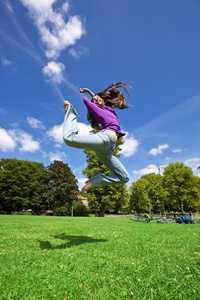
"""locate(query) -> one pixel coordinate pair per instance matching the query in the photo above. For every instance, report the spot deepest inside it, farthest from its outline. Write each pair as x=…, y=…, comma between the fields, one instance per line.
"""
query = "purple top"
x=105, y=116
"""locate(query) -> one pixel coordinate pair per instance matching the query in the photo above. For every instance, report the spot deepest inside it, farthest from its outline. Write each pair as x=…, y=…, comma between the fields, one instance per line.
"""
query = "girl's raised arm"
x=86, y=91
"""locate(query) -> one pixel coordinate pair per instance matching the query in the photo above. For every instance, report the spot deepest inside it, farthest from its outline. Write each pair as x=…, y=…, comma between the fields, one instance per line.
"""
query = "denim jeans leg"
x=119, y=176
x=70, y=123
x=102, y=143
x=73, y=139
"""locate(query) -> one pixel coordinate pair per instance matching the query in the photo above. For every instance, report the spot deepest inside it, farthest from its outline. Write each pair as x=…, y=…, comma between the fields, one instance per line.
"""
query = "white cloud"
x=168, y=157
x=56, y=34
x=192, y=160
x=54, y=71
x=177, y=150
x=148, y=170
x=74, y=53
x=80, y=52
x=10, y=139
x=81, y=182
x=15, y=125
x=194, y=163
x=83, y=129
x=56, y=132
x=7, y=143
x=57, y=156
x=185, y=109
x=25, y=140
x=8, y=5
x=130, y=146
x=6, y=62
x=159, y=150
x=65, y=7
x=34, y=123
x=28, y=144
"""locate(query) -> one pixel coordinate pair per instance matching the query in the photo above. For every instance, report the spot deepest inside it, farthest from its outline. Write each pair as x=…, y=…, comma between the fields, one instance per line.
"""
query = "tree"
x=182, y=187
x=139, y=199
x=20, y=186
x=156, y=193
x=59, y=186
x=80, y=209
x=104, y=197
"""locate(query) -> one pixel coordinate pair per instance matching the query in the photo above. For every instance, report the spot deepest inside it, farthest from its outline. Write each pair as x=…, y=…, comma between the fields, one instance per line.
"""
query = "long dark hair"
x=113, y=98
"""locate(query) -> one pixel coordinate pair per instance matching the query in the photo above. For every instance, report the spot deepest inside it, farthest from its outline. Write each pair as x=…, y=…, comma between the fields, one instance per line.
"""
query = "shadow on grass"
x=71, y=241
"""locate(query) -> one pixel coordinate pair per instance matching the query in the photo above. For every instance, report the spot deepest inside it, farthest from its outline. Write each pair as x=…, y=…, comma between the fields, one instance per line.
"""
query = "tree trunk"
x=182, y=208
x=54, y=210
x=101, y=213
x=164, y=209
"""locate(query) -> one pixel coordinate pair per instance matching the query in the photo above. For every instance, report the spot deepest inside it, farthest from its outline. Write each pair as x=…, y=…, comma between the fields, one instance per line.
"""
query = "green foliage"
x=182, y=187
x=178, y=190
x=80, y=209
x=59, y=186
x=97, y=258
x=29, y=185
x=139, y=199
x=62, y=211
x=20, y=184
x=106, y=197
x=155, y=191
x=21, y=213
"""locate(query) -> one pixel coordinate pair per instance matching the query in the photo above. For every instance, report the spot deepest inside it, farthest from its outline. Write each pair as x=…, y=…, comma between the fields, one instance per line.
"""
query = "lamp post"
x=72, y=214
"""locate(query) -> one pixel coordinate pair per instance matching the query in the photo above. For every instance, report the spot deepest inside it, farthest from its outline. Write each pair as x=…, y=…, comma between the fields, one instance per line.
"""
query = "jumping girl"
x=101, y=115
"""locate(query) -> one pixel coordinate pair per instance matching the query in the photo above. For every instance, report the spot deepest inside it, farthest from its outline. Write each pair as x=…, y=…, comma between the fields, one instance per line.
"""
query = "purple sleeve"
x=93, y=108
x=105, y=116
x=88, y=103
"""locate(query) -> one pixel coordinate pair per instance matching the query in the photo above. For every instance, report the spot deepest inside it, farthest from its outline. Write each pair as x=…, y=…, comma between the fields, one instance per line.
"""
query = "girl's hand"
x=86, y=91
x=83, y=90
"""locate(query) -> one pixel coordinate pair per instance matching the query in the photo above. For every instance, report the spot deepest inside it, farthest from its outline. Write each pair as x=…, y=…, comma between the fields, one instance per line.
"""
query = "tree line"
x=177, y=190
x=30, y=185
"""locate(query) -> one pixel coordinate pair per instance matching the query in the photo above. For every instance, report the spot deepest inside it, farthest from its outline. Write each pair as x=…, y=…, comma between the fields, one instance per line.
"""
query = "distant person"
x=101, y=115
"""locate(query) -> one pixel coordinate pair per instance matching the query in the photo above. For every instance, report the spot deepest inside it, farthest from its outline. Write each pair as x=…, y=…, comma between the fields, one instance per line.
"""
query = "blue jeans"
x=102, y=143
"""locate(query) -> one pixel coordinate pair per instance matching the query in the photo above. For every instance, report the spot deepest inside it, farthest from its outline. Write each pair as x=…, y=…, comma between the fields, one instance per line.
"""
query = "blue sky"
x=51, y=48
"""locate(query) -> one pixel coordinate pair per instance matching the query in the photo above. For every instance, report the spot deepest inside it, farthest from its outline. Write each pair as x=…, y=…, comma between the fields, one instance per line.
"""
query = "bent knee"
x=67, y=140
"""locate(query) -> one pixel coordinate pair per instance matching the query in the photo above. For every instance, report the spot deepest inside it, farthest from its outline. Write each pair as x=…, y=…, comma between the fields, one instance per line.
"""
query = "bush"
x=80, y=209
x=62, y=211
x=24, y=213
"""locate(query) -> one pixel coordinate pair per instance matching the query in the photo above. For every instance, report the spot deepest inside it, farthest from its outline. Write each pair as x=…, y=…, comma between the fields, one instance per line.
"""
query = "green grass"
x=97, y=258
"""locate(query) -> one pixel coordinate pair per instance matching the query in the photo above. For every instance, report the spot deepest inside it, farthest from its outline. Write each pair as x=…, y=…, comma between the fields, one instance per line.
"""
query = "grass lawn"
x=97, y=258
